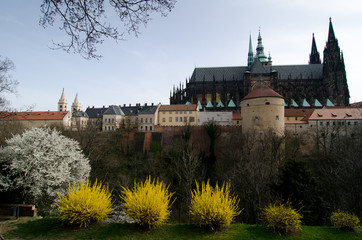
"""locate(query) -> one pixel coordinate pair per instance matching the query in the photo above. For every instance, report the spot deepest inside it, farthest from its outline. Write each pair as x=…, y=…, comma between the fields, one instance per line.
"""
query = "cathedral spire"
x=331, y=36
x=314, y=57
x=250, y=54
x=260, y=50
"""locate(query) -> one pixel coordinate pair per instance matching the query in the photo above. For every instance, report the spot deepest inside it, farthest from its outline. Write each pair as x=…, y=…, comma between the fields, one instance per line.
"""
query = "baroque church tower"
x=62, y=103
x=334, y=72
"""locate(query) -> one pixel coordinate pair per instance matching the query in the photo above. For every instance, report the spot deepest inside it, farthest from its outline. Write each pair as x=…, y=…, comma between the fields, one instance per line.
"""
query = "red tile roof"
x=262, y=91
x=237, y=116
x=292, y=112
x=178, y=107
x=48, y=115
x=336, y=113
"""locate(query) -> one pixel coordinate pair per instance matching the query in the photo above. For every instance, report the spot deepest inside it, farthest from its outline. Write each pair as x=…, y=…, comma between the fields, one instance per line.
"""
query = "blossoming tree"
x=41, y=162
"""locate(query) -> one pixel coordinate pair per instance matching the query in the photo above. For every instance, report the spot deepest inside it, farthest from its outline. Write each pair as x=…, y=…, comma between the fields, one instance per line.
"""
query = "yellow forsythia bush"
x=282, y=217
x=344, y=220
x=213, y=208
x=148, y=202
x=85, y=203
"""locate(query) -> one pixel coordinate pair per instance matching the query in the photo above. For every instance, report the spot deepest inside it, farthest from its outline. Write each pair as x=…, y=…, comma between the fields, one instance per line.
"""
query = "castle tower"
x=76, y=105
x=314, y=57
x=262, y=111
x=334, y=72
x=62, y=103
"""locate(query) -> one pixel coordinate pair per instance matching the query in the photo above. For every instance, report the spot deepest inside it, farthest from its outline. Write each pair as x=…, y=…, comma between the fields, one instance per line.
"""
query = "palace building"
x=312, y=85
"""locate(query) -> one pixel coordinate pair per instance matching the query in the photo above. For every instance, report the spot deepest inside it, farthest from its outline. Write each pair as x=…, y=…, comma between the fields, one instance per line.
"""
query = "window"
x=321, y=123
x=163, y=112
x=176, y=112
x=185, y=119
x=112, y=128
x=112, y=120
x=170, y=112
x=150, y=120
x=141, y=127
x=141, y=120
x=296, y=118
x=170, y=119
x=355, y=123
x=267, y=103
x=334, y=123
x=185, y=112
x=287, y=118
x=349, y=123
x=146, y=128
x=192, y=119
x=163, y=119
x=327, y=123
x=277, y=117
x=190, y=112
x=109, y=121
x=150, y=128
x=105, y=120
x=180, y=119
x=180, y=112
x=176, y=119
x=146, y=120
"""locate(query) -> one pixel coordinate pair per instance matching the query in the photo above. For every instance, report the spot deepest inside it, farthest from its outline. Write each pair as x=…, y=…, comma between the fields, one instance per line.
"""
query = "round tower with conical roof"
x=262, y=110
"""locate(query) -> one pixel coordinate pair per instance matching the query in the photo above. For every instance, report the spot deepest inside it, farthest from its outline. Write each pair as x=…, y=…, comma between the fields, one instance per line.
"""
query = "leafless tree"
x=86, y=24
x=7, y=83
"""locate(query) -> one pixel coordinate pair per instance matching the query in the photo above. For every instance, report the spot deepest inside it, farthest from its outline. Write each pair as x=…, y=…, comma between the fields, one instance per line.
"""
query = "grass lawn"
x=53, y=228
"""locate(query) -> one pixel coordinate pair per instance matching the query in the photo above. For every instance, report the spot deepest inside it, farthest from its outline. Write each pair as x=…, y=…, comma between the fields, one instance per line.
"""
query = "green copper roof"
x=231, y=103
x=188, y=103
x=317, y=103
x=294, y=104
x=209, y=105
x=305, y=103
x=285, y=104
x=219, y=104
x=329, y=103
x=199, y=105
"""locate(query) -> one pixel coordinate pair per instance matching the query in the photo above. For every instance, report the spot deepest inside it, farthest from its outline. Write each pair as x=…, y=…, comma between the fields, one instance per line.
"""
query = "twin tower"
x=63, y=104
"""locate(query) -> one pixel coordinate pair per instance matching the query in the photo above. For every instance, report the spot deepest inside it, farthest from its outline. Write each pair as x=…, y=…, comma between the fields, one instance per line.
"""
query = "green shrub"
x=148, y=202
x=282, y=217
x=213, y=208
x=85, y=203
x=344, y=220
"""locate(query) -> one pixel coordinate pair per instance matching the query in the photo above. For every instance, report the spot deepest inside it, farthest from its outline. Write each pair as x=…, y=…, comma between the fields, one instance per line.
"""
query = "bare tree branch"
x=7, y=83
x=85, y=21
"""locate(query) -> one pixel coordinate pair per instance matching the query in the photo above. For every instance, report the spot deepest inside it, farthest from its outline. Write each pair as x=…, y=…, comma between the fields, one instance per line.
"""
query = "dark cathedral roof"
x=218, y=73
x=285, y=72
x=308, y=71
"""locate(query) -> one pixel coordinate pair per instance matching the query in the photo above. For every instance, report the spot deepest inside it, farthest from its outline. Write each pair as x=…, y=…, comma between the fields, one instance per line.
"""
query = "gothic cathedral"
x=315, y=84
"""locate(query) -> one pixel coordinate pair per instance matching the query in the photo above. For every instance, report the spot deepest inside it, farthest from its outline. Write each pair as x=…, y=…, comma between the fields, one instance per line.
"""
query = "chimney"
x=152, y=104
x=129, y=105
x=124, y=105
x=145, y=104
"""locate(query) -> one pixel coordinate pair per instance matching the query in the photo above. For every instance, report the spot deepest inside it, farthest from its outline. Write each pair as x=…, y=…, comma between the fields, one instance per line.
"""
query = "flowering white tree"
x=39, y=163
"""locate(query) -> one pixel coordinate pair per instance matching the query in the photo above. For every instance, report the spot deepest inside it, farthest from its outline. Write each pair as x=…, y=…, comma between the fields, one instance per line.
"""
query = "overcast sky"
x=197, y=33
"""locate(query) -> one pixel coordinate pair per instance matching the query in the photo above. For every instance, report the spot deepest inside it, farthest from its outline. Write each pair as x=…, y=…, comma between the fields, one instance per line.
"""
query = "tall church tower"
x=76, y=105
x=334, y=72
x=314, y=57
x=62, y=103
